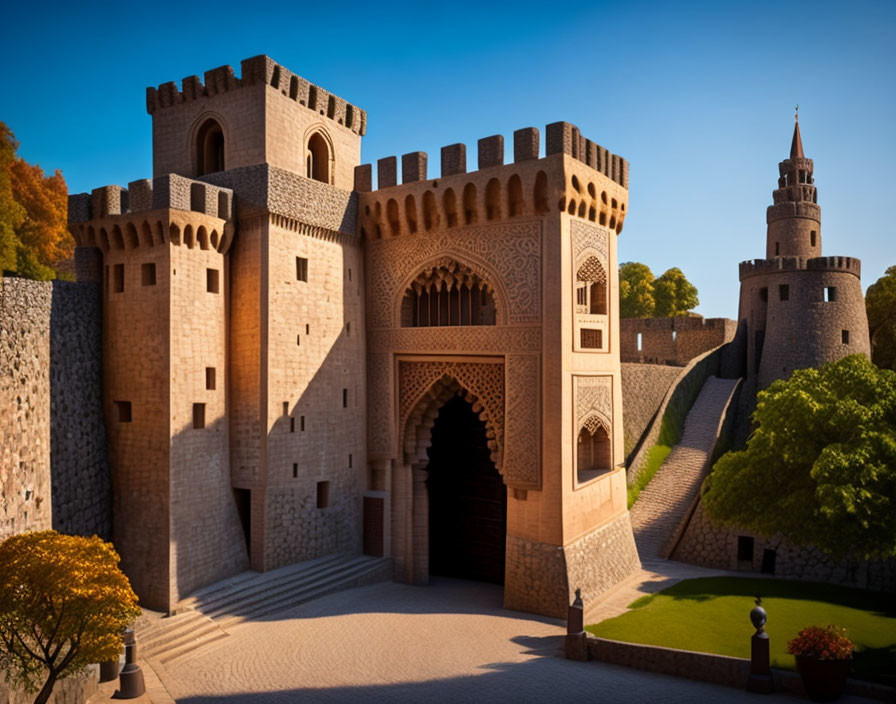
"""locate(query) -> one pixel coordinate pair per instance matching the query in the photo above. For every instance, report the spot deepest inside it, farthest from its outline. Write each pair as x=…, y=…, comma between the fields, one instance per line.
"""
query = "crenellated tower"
x=798, y=309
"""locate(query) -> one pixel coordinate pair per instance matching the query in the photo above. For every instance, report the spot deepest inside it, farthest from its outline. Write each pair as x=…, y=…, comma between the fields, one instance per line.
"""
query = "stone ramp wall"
x=644, y=387
x=53, y=467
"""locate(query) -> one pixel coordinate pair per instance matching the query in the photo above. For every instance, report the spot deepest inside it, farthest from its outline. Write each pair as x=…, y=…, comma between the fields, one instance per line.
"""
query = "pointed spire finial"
x=796, y=146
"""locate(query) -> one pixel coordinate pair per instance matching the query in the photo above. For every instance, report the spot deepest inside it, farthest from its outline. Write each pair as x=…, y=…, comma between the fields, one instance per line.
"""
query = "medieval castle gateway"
x=296, y=364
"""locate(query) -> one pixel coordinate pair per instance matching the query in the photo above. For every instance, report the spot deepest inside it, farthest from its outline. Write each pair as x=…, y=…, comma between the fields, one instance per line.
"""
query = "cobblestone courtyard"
x=388, y=642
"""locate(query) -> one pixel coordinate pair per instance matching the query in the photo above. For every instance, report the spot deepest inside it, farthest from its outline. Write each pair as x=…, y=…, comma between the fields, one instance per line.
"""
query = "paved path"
x=388, y=642
x=663, y=503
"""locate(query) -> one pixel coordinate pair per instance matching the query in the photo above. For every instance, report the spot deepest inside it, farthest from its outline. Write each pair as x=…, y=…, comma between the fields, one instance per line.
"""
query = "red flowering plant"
x=828, y=643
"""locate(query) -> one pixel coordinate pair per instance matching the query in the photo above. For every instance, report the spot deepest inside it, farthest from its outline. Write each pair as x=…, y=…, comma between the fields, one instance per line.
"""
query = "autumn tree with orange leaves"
x=34, y=238
x=63, y=605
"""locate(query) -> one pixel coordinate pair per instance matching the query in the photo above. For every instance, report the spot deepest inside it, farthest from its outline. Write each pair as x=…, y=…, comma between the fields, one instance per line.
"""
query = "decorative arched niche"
x=594, y=450
x=591, y=287
x=448, y=293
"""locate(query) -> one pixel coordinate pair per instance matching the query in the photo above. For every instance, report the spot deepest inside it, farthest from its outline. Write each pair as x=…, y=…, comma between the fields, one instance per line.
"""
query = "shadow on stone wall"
x=81, y=492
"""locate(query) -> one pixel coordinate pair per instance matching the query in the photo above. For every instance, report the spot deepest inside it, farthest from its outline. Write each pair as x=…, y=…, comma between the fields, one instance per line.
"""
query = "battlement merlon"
x=560, y=138
x=259, y=70
x=755, y=267
x=171, y=191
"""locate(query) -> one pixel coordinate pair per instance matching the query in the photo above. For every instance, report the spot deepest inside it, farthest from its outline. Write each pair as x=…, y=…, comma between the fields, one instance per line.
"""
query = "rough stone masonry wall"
x=644, y=387
x=25, y=406
x=712, y=545
x=82, y=495
x=50, y=414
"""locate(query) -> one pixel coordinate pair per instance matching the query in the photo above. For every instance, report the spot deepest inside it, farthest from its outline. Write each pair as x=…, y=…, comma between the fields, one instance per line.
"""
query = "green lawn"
x=713, y=615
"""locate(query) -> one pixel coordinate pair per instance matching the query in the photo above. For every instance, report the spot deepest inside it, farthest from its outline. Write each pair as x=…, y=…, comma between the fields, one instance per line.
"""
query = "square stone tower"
x=296, y=364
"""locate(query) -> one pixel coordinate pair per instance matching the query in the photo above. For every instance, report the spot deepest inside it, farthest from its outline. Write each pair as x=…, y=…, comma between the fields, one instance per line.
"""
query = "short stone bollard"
x=760, y=680
x=576, y=639
x=131, y=683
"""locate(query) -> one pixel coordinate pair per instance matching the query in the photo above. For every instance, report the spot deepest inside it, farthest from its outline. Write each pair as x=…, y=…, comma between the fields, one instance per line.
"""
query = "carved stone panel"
x=522, y=455
x=469, y=339
x=483, y=381
x=593, y=398
x=587, y=241
x=507, y=256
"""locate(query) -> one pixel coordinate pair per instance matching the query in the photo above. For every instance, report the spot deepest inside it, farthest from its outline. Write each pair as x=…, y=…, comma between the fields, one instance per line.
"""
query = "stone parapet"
x=561, y=138
x=259, y=70
x=756, y=267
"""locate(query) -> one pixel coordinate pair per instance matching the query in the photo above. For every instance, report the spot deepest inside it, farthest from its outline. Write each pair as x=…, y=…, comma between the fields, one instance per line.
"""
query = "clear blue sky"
x=698, y=96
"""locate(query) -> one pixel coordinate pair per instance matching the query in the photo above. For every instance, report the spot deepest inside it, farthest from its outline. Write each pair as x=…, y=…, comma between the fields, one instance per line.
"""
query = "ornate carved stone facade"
x=308, y=332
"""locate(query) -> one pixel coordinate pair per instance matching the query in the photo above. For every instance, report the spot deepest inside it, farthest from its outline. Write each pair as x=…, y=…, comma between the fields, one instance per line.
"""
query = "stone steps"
x=664, y=503
x=207, y=615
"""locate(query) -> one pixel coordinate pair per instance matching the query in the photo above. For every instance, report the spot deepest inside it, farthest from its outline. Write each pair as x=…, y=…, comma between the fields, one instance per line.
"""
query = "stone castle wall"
x=710, y=544
x=53, y=458
x=644, y=386
x=672, y=340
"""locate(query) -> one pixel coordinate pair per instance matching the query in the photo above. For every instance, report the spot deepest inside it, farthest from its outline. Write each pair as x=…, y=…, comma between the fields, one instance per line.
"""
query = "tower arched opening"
x=594, y=453
x=209, y=148
x=591, y=287
x=317, y=158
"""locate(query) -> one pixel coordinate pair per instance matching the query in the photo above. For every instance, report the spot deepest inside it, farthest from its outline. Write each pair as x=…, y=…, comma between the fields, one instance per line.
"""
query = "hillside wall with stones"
x=710, y=544
x=53, y=469
x=644, y=387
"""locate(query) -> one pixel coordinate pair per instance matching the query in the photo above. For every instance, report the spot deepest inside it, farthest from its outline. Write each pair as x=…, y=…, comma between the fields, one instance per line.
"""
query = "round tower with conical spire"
x=798, y=309
x=794, y=218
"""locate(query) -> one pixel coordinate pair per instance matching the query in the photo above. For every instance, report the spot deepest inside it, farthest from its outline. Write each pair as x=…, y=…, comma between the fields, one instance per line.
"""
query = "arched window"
x=591, y=288
x=448, y=293
x=209, y=148
x=593, y=450
x=317, y=161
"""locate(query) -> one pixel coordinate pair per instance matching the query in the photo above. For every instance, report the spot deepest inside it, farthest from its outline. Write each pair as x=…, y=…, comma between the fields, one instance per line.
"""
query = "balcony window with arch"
x=594, y=453
x=209, y=148
x=591, y=288
x=447, y=294
x=317, y=158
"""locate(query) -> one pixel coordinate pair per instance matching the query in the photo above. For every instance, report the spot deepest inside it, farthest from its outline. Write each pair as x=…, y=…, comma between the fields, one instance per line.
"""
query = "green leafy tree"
x=635, y=290
x=673, y=294
x=34, y=237
x=820, y=468
x=880, y=303
x=63, y=605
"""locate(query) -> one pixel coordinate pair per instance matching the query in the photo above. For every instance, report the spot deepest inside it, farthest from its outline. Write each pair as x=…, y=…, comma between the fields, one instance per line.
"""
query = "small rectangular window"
x=844, y=337
x=298, y=340
x=830, y=294
x=148, y=274
x=812, y=237
x=198, y=416
x=591, y=339
x=124, y=411
x=118, y=278
x=640, y=342
x=763, y=294
x=286, y=408
x=307, y=329
x=784, y=292
x=211, y=280
x=292, y=425
x=349, y=461
x=345, y=398
x=348, y=329
x=744, y=548
x=210, y=378
x=295, y=470
x=301, y=269
x=349, y=274
x=323, y=494
x=302, y=423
